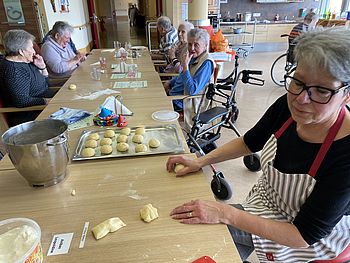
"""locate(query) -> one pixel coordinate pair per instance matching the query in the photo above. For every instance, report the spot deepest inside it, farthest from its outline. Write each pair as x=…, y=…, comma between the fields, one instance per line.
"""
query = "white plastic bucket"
x=33, y=251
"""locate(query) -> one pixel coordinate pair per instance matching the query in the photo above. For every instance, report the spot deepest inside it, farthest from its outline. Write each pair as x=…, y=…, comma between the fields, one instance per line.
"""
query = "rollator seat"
x=212, y=114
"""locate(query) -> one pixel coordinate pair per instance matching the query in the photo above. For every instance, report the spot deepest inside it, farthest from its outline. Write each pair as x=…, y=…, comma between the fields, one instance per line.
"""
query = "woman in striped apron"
x=299, y=210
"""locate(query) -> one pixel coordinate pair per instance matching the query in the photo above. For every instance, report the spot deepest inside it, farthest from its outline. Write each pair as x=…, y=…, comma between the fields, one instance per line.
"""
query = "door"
x=17, y=14
x=94, y=20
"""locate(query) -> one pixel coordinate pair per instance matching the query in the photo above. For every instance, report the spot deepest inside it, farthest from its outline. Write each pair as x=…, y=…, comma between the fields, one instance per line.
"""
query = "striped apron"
x=279, y=196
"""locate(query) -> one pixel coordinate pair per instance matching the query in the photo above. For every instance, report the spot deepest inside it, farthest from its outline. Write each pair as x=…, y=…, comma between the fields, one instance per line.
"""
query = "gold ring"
x=190, y=214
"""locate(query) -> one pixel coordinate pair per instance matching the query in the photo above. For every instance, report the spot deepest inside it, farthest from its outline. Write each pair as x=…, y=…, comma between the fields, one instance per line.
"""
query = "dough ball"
x=140, y=148
x=154, y=143
x=125, y=131
x=122, y=138
x=148, y=213
x=106, y=141
x=122, y=147
x=140, y=130
x=108, y=226
x=94, y=136
x=88, y=152
x=137, y=138
x=91, y=144
x=178, y=167
x=72, y=87
x=106, y=149
x=109, y=134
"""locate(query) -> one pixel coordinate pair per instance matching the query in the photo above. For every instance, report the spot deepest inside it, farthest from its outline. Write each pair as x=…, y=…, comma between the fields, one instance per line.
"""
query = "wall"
x=78, y=17
x=268, y=11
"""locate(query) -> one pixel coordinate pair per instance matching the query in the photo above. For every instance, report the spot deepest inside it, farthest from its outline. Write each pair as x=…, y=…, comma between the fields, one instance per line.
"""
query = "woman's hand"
x=191, y=165
x=171, y=52
x=167, y=87
x=199, y=212
x=38, y=61
x=185, y=60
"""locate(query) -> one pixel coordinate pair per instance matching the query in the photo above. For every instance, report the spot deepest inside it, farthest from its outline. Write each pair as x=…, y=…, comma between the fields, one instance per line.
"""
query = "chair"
x=343, y=257
x=3, y=118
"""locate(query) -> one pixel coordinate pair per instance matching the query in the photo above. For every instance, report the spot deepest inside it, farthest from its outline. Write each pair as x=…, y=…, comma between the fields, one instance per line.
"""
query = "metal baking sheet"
x=168, y=135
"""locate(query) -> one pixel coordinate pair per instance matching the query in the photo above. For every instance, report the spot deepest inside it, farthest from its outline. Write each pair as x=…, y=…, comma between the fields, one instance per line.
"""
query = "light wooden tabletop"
x=117, y=187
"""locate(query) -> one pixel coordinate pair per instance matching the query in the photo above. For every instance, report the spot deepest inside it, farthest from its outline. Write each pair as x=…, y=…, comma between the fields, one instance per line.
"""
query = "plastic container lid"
x=165, y=115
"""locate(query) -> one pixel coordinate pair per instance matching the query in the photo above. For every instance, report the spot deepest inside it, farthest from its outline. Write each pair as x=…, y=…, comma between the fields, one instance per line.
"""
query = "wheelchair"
x=207, y=125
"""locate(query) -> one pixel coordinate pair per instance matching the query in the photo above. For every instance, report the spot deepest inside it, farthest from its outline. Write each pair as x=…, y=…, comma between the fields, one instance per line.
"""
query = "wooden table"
x=117, y=187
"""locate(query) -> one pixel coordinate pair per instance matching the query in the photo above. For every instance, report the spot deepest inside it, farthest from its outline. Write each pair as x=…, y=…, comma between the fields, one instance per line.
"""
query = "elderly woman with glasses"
x=299, y=210
x=23, y=76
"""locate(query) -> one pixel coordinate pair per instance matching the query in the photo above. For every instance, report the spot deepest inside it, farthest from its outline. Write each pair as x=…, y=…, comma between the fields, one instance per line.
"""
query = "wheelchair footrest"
x=212, y=114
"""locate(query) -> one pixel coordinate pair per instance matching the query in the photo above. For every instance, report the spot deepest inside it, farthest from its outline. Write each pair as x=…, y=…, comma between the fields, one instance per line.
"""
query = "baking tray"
x=168, y=135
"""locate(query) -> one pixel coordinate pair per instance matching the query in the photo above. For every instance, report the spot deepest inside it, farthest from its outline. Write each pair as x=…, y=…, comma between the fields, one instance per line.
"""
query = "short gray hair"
x=328, y=50
x=310, y=16
x=199, y=34
x=60, y=28
x=164, y=22
x=187, y=25
x=15, y=40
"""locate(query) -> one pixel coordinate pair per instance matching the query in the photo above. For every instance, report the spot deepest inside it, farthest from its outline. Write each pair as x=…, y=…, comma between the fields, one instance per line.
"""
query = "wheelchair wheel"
x=278, y=70
x=225, y=191
x=252, y=162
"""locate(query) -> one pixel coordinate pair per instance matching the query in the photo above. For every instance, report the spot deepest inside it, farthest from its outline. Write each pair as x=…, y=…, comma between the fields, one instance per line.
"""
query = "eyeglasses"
x=316, y=94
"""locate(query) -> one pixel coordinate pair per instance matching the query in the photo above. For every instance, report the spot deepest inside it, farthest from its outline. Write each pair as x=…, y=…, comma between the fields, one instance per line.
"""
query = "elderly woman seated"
x=23, y=76
x=197, y=67
x=177, y=50
x=58, y=53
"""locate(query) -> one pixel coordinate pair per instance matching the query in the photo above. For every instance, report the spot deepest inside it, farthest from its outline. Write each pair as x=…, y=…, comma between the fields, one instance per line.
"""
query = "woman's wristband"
x=41, y=68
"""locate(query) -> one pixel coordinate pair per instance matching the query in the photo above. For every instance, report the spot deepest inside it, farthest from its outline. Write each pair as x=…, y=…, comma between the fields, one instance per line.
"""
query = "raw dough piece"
x=106, y=149
x=88, y=152
x=106, y=141
x=91, y=144
x=140, y=148
x=178, y=167
x=125, y=131
x=72, y=192
x=122, y=147
x=140, y=130
x=137, y=138
x=153, y=143
x=94, y=136
x=122, y=138
x=148, y=213
x=110, y=225
x=109, y=134
x=72, y=87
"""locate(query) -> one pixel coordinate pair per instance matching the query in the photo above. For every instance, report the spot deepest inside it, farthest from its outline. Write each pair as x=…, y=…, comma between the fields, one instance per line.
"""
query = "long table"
x=117, y=187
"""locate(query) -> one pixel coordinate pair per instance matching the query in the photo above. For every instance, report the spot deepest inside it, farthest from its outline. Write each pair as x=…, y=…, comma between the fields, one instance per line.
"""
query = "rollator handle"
x=252, y=72
x=251, y=80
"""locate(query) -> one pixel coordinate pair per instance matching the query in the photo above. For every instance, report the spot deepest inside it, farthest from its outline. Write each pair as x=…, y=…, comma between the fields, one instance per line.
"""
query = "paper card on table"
x=86, y=122
x=130, y=84
x=95, y=64
x=108, y=50
x=125, y=75
x=60, y=244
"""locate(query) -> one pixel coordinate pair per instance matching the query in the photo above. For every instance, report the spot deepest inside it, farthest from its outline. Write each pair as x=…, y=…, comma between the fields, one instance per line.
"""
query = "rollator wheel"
x=210, y=147
x=235, y=115
x=225, y=191
x=252, y=162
